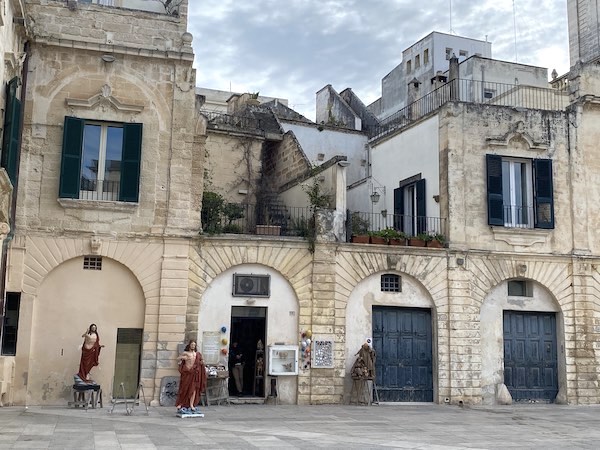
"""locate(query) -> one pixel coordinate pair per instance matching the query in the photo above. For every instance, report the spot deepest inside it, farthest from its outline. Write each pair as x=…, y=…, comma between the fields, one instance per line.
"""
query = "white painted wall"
x=331, y=143
x=359, y=313
x=492, y=331
x=414, y=151
x=282, y=315
x=442, y=41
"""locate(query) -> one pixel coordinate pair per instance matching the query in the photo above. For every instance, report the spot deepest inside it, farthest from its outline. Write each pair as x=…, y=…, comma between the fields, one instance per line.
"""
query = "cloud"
x=292, y=49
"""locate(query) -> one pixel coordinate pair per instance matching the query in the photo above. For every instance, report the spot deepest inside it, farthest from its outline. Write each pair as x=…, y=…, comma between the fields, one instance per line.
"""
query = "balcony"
x=263, y=219
x=473, y=91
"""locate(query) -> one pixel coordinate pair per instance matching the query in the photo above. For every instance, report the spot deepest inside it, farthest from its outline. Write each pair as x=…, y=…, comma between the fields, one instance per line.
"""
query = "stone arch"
x=144, y=260
x=68, y=76
x=492, y=331
x=61, y=315
x=292, y=261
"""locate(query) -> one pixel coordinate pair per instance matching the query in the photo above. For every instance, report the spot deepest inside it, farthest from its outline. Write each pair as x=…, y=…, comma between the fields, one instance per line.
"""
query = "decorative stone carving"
x=517, y=133
x=519, y=236
x=103, y=99
x=95, y=245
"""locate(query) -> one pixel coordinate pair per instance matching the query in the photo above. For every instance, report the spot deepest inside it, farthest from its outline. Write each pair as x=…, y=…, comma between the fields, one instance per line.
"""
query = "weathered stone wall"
x=285, y=162
x=232, y=163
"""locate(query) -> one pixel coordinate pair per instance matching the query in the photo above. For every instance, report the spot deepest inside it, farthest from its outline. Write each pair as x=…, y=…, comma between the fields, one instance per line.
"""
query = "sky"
x=292, y=48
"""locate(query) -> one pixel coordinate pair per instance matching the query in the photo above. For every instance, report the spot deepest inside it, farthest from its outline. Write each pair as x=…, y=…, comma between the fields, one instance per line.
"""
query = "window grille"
x=92, y=263
x=391, y=283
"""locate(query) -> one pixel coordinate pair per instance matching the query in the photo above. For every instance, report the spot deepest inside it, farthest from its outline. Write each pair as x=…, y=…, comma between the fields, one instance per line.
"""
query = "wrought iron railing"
x=272, y=220
x=473, y=91
x=99, y=190
x=363, y=223
x=518, y=216
x=229, y=121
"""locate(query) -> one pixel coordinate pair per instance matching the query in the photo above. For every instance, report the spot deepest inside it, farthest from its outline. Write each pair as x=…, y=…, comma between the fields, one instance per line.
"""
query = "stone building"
x=116, y=163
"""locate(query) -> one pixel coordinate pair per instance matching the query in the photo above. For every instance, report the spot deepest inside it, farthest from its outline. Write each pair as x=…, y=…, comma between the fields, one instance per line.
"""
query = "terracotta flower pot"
x=360, y=239
x=397, y=242
x=378, y=240
x=434, y=243
x=414, y=242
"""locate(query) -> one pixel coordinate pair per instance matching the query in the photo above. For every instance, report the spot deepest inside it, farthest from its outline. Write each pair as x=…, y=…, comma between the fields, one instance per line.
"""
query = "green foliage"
x=440, y=238
x=316, y=198
x=358, y=225
x=233, y=211
x=424, y=237
x=232, y=228
x=212, y=209
x=391, y=233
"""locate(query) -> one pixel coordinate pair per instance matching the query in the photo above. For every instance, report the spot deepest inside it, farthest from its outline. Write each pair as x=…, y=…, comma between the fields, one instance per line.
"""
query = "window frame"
x=542, y=191
x=72, y=150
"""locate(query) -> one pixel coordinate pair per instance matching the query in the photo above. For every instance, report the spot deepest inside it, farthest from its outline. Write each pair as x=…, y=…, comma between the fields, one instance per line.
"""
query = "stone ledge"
x=72, y=203
x=524, y=237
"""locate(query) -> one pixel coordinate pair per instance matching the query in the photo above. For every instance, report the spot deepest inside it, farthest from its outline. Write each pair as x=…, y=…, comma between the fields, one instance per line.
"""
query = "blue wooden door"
x=402, y=340
x=530, y=355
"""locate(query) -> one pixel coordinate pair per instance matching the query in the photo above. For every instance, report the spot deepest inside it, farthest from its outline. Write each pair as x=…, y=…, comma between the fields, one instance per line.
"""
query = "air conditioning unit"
x=251, y=285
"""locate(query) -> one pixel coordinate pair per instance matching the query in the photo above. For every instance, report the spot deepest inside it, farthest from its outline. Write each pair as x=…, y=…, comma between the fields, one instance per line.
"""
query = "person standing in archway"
x=90, y=353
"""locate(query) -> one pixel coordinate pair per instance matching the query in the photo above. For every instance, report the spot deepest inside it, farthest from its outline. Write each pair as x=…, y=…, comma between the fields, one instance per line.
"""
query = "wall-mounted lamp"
x=108, y=58
x=375, y=196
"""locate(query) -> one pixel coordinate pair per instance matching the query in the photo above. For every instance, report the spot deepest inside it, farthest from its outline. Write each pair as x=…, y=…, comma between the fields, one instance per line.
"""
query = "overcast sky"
x=292, y=48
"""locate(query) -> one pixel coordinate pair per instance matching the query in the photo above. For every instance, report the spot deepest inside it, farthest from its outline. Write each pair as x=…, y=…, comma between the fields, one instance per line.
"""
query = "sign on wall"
x=322, y=354
x=211, y=346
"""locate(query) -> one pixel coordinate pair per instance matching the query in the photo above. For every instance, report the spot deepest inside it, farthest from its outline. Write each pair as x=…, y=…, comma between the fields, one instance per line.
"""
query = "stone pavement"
x=416, y=426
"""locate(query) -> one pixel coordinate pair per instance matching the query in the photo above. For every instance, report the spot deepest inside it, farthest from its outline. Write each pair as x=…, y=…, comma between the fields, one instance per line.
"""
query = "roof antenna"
x=515, y=28
x=451, y=30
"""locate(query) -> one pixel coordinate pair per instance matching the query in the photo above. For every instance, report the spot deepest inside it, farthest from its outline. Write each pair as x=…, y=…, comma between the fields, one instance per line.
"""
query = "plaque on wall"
x=211, y=346
x=322, y=354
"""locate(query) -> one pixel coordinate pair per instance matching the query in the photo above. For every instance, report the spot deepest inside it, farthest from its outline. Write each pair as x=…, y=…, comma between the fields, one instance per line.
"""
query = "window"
x=391, y=283
x=100, y=160
x=92, y=263
x=520, y=192
x=409, y=207
x=426, y=57
x=488, y=93
x=12, y=130
x=448, y=53
x=520, y=288
x=463, y=53
x=11, y=324
x=417, y=61
x=408, y=66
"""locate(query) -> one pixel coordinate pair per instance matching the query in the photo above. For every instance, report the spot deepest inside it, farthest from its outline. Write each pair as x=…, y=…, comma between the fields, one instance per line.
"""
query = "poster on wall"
x=211, y=346
x=322, y=354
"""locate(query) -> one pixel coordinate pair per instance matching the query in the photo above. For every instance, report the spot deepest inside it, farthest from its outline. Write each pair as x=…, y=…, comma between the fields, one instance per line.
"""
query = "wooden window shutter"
x=12, y=130
x=544, y=194
x=494, y=190
x=421, y=207
x=130, y=162
x=399, y=217
x=70, y=165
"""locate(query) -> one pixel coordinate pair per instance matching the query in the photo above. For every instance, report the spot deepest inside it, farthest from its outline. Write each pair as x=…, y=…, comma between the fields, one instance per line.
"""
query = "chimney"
x=453, y=78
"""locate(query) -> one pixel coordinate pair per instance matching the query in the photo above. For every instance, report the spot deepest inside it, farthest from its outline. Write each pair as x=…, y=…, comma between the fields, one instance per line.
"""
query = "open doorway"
x=248, y=327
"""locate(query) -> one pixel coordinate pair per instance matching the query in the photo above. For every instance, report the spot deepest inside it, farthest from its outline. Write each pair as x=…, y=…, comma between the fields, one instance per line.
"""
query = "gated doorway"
x=402, y=339
x=530, y=355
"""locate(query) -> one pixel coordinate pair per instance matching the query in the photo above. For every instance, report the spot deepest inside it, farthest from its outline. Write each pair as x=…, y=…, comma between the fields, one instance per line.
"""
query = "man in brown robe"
x=193, y=378
x=90, y=352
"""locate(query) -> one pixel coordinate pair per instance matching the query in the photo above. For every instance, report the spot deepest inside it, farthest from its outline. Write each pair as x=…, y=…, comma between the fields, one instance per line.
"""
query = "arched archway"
x=281, y=313
x=411, y=313
x=521, y=320
x=69, y=299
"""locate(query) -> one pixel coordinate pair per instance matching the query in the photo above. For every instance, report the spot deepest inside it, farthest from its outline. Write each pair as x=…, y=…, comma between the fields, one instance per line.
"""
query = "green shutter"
x=399, y=217
x=12, y=130
x=130, y=162
x=544, y=194
x=70, y=165
x=494, y=190
x=421, y=207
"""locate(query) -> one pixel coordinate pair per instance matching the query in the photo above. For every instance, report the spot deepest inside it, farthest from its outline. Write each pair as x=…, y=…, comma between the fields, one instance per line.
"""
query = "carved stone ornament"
x=517, y=133
x=95, y=245
x=4, y=230
x=104, y=100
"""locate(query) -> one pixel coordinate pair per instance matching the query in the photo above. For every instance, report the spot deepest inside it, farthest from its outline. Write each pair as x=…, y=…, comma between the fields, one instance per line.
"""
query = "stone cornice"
x=522, y=237
x=170, y=55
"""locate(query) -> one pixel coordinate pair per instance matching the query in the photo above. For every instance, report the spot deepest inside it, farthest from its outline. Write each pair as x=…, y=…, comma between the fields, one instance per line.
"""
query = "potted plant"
x=359, y=228
x=438, y=240
x=393, y=236
x=377, y=238
x=420, y=240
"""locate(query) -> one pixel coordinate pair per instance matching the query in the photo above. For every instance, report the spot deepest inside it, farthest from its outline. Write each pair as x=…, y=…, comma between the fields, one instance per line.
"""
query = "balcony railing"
x=362, y=223
x=473, y=91
x=518, y=216
x=273, y=220
x=102, y=190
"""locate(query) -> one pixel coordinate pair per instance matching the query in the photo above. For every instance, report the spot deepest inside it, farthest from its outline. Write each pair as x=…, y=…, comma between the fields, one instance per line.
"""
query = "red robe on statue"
x=89, y=359
x=192, y=380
